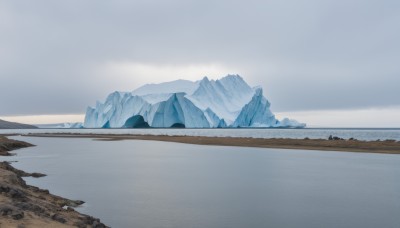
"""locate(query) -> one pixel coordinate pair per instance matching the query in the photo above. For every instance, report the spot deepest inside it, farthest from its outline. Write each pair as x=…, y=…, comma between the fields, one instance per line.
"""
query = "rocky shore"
x=22, y=205
x=7, y=145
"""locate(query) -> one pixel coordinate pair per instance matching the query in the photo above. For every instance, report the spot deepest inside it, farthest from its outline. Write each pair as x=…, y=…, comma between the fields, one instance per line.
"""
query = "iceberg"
x=227, y=102
x=70, y=125
x=256, y=113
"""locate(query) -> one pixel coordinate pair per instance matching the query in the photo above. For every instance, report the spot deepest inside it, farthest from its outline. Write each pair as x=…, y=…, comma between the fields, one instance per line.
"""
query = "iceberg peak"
x=226, y=102
x=205, y=79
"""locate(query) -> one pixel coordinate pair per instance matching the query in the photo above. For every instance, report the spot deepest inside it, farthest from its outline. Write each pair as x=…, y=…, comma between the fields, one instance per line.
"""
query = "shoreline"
x=22, y=205
x=336, y=144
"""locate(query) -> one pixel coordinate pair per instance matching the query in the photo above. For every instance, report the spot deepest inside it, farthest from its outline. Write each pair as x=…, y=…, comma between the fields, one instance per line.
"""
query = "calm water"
x=158, y=184
x=314, y=133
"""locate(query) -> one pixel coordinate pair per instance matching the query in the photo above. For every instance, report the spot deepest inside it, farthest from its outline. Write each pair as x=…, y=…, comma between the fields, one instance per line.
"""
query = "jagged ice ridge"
x=227, y=102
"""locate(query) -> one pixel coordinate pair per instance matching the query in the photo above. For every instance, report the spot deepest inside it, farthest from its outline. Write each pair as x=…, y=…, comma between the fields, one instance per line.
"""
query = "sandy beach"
x=22, y=205
x=336, y=144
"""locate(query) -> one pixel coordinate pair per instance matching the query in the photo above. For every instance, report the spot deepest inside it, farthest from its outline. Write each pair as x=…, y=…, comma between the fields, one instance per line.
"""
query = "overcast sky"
x=58, y=57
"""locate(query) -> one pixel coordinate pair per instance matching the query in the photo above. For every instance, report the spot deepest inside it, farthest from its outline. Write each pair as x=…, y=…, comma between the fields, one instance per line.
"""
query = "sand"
x=384, y=147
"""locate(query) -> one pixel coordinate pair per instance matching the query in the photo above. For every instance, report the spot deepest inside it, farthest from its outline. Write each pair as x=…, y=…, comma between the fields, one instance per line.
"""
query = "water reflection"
x=158, y=184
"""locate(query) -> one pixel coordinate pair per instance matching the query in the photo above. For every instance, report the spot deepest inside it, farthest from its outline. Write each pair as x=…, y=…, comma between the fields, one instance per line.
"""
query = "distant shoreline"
x=381, y=147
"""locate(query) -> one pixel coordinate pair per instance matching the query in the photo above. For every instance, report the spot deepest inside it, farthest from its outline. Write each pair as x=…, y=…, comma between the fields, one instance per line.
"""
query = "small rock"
x=45, y=191
x=58, y=218
x=34, y=189
x=30, y=207
x=37, y=175
x=23, y=205
x=4, y=189
x=6, y=210
x=80, y=224
x=18, y=215
x=98, y=224
x=74, y=203
x=16, y=194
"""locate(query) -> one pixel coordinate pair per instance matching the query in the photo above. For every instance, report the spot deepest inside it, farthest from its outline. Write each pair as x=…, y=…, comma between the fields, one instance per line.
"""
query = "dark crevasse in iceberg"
x=136, y=121
x=179, y=110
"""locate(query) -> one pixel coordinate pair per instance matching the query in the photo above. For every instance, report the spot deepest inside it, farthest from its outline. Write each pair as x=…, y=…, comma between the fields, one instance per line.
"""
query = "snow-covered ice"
x=227, y=102
x=69, y=125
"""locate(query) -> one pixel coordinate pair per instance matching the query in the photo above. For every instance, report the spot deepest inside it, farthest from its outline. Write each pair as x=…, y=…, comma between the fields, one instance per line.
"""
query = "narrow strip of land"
x=7, y=145
x=384, y=147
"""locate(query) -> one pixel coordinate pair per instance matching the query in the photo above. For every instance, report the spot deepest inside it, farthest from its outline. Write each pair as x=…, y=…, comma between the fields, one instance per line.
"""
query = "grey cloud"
x=306, y=54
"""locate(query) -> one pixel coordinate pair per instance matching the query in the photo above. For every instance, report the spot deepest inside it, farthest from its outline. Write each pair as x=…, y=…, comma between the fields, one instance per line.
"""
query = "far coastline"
x=333, y=143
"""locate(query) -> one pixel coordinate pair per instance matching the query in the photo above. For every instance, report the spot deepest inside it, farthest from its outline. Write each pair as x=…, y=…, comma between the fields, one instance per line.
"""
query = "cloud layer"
x=57, y=57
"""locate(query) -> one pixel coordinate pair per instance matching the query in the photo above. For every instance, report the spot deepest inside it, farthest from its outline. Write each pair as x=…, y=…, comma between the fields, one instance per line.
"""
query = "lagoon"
x=137, y=183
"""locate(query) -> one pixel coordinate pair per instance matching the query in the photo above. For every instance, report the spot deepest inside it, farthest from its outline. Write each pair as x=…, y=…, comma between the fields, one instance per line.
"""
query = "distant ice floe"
x=69, y=125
